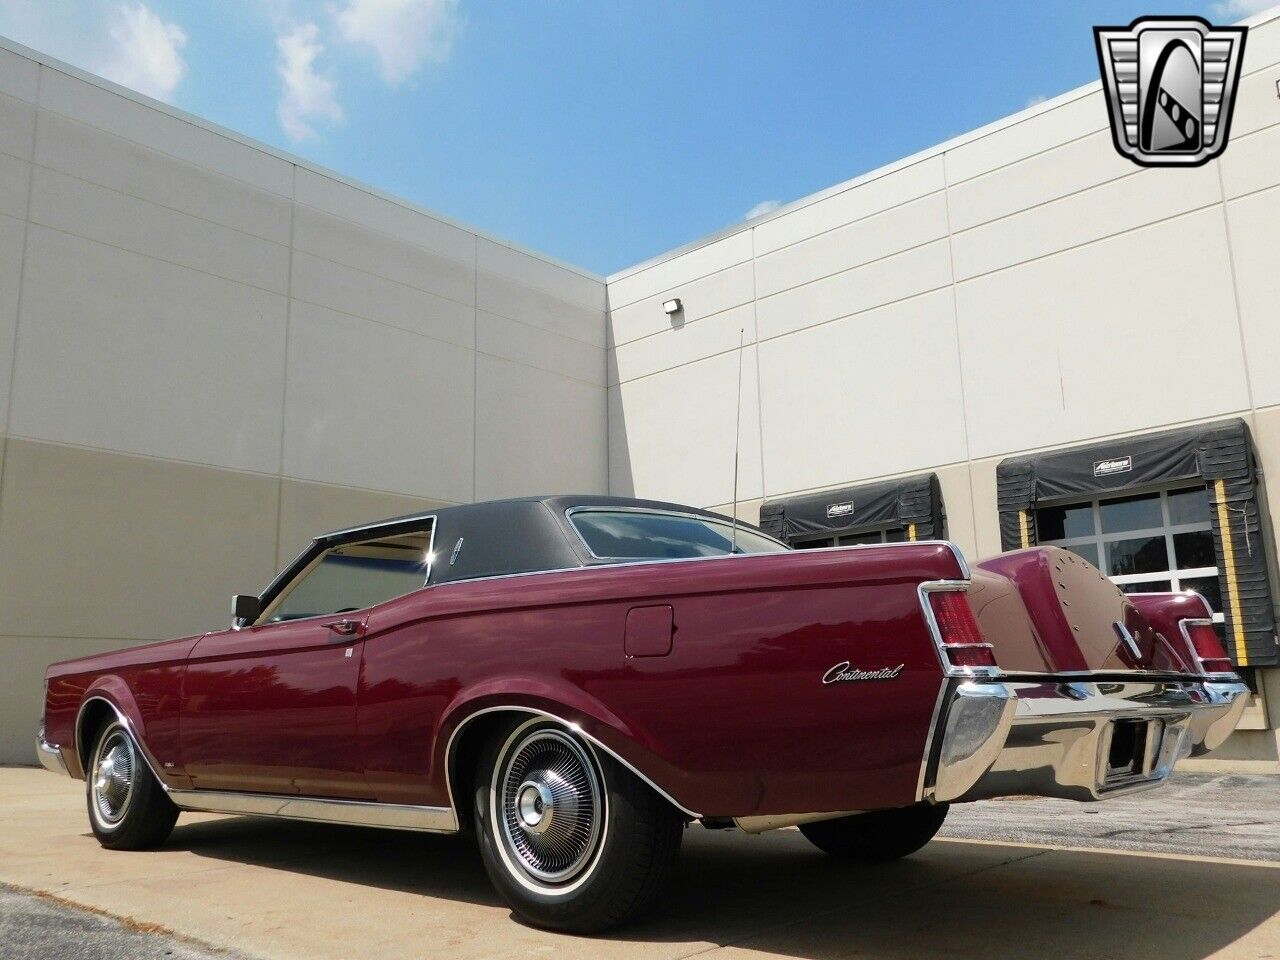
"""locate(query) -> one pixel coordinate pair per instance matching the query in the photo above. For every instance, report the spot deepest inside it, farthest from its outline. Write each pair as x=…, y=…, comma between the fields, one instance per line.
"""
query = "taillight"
x=958, y=634
x=1206, y=647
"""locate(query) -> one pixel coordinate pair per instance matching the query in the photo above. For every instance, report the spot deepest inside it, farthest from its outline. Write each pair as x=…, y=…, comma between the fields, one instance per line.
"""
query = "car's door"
x=271, y=707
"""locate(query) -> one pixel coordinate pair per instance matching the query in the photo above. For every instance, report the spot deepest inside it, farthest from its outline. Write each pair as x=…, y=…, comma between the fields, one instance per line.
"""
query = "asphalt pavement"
x=35, y=927
x=1193, y=814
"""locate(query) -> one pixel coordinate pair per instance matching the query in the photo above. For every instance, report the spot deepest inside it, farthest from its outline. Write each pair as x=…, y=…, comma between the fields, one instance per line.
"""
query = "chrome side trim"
x=762, y=823
x=939, y=647
x=955, y=552
x=1184, y=627
x=930, y=738
x=50, y=755
x=128, y=728
x=978, y=720
x=448, y=752
x=360, y=813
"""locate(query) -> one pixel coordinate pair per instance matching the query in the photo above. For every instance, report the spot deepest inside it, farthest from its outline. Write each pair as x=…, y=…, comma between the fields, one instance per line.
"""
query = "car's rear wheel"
x=880, y=835
x=128, y=809
x=571, y=839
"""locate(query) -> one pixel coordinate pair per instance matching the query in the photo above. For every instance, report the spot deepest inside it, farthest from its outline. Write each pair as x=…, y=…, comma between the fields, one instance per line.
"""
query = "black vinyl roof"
x=498, y=537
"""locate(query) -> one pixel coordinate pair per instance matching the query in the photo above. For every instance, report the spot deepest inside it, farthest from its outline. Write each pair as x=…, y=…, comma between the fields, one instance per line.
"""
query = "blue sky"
x=602, y=132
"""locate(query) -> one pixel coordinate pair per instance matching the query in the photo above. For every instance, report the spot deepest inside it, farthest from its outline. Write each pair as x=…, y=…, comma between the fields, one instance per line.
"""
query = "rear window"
x=636, y=535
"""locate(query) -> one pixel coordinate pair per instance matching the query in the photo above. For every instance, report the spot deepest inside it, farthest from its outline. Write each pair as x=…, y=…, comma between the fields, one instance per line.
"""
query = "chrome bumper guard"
x=1076, y=741
x=50, y=755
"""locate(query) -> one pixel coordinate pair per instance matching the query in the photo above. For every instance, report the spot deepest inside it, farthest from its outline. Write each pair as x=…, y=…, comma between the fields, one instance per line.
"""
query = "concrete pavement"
x=284, y=890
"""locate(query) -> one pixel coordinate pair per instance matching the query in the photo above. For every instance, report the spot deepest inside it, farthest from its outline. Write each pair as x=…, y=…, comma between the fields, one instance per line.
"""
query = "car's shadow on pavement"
x=775, y=893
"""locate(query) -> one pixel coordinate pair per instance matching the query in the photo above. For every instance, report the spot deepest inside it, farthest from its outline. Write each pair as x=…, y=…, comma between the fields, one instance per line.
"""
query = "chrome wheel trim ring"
x=547, y=808
x=112, y=777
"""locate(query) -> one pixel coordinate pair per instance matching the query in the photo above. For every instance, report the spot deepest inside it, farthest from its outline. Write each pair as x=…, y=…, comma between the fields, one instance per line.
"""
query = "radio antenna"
x=737, y=432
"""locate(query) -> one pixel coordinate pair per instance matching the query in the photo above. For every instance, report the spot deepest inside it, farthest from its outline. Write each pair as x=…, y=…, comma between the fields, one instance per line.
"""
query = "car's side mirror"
x=245, y=607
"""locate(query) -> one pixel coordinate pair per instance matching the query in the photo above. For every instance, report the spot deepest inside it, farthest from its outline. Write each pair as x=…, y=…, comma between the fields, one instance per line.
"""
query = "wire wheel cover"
x=550, y=805
x=114, y=766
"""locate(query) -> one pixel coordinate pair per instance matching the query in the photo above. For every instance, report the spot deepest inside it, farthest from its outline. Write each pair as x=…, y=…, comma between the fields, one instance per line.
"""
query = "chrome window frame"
x=278, y=587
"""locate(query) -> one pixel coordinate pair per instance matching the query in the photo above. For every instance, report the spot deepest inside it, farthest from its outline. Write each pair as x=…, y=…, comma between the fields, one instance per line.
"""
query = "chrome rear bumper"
x=1075, y=740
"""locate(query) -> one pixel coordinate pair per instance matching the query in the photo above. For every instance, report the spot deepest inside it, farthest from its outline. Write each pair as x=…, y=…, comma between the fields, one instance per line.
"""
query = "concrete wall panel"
x=336, y=286
x=1075, y=166
x=1253, y=224
x=11, y=243
x=15, y=183
x=381, y=214
x=17, y=127
x=672, y=435
x=631, y=286
x=100, y=157
x=341, y=241
x=860, y=398
x=101, y=545
x=1049, y=359
x=1250, y=165
x=862, y=288
x=124, y=352
x=370, y=405
x=865, y=197
x=119, y=220
x=19, y=76
x=701, y=297
x=534, y=346
x=686, y=343
x=537, y=432
x=164, y=131
x=1035, y=131
x=1081, y=218
x=908, y=225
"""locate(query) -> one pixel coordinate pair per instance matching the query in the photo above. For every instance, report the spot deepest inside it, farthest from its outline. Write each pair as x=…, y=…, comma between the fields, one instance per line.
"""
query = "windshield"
x=640, y=535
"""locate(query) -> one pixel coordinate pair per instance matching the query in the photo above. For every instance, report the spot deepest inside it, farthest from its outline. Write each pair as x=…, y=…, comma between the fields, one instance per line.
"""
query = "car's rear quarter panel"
x=735, y=721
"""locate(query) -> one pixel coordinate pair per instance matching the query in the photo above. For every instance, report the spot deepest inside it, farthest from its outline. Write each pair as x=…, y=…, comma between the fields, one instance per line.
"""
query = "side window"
x=354, y=576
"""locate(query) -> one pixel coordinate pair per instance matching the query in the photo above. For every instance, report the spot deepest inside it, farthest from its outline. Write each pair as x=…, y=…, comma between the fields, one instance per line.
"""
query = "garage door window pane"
x=1148, y=586
x=814, y=544
x=1194, y=549
x=1063, y=523
x=1087, y=550
x=1139, y=555
x=1189, y=506
x=1131, y=513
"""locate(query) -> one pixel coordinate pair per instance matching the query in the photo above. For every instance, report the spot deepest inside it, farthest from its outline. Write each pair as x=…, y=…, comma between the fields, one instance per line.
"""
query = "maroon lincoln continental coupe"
x=576, y=679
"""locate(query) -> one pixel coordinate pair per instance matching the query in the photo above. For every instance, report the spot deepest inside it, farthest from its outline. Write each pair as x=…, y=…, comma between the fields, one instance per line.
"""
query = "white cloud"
x=307, y=96
x=402, y=34
x=761, y=208
x=1239, y=9
x=146, y=51
x=123, y=41
x=1035, y=101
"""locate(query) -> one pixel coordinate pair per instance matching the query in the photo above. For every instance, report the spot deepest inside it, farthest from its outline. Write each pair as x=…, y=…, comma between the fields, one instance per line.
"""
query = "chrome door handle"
x=345, y=628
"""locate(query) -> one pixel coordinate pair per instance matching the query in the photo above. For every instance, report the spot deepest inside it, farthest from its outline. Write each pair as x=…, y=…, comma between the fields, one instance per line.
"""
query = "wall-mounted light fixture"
x=672, y=307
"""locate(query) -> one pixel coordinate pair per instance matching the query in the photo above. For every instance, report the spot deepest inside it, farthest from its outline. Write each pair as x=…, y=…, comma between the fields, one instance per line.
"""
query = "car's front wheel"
x=571, y=839
x=128, y=808
x=878, y=835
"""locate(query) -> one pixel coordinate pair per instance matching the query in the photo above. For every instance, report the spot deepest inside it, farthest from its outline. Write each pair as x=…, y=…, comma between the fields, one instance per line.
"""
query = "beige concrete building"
x=210, y=351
